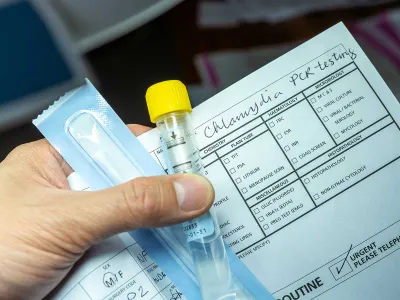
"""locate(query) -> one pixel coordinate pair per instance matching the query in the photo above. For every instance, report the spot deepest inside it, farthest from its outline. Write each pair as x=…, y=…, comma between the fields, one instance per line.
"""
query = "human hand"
x=45, y=227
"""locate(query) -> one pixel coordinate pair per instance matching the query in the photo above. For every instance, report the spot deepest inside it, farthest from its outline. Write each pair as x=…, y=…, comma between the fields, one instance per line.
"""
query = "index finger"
x=137, y=129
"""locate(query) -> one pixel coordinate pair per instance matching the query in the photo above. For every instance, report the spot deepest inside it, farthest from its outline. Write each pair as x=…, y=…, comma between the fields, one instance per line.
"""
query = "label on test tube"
x=200, y=227
x=183, y=156
x=181, y=152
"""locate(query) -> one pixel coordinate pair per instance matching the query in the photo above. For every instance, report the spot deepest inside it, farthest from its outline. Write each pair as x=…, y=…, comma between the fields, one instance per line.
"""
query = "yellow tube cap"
x=166, y=97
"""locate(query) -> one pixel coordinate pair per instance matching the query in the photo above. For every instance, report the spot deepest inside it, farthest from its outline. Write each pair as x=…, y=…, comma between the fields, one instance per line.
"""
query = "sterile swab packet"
x=90, y=136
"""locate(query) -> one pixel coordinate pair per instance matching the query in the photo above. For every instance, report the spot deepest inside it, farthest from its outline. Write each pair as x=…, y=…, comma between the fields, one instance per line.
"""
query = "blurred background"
x=48, y=47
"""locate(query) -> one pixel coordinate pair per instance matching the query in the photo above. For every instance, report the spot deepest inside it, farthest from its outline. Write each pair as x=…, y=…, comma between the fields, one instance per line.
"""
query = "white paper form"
x=116, y=269
x=304, y=157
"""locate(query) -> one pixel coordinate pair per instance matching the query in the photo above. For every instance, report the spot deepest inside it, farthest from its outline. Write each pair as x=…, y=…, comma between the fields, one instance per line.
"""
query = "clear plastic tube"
x=203, y=234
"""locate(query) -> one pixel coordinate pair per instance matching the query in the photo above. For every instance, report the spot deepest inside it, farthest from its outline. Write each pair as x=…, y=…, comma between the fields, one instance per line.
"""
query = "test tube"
x=169, y=107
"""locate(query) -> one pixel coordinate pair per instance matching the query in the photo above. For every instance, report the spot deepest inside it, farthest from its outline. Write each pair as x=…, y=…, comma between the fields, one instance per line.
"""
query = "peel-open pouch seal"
x=94, y=141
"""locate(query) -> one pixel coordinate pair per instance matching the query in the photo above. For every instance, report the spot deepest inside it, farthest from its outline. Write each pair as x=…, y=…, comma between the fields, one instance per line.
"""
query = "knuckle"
x=25, y=151
x=19, y=150
x=143, y=199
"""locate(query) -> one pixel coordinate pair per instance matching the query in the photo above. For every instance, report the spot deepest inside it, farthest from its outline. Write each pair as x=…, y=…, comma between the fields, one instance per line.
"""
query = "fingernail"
x=193, y=192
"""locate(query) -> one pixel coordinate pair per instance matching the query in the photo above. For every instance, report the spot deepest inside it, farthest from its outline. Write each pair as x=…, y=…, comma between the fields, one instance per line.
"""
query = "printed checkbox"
x=261, y=219
x=265, y=226
x=313, y=100
x=271, y=124
x=287, y=148
x=279, y=136
x=294, y=160
x=336, y=135
x=232, y=170
x=244, y=190
x=316, y=197
x=325, y=119
x=238, y=180
x=319, y=109
x=256, y=211
x=307, y=180
x=226, y=160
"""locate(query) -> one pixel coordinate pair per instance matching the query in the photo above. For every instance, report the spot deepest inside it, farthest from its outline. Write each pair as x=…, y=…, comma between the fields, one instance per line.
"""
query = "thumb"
x=143, y=202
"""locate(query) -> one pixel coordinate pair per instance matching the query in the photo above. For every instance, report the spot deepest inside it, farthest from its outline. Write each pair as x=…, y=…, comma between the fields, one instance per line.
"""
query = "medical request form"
x=304, y=157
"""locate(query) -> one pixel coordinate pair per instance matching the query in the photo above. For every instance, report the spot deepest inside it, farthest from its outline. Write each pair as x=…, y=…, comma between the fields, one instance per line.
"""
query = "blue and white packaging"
x=91, y=137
